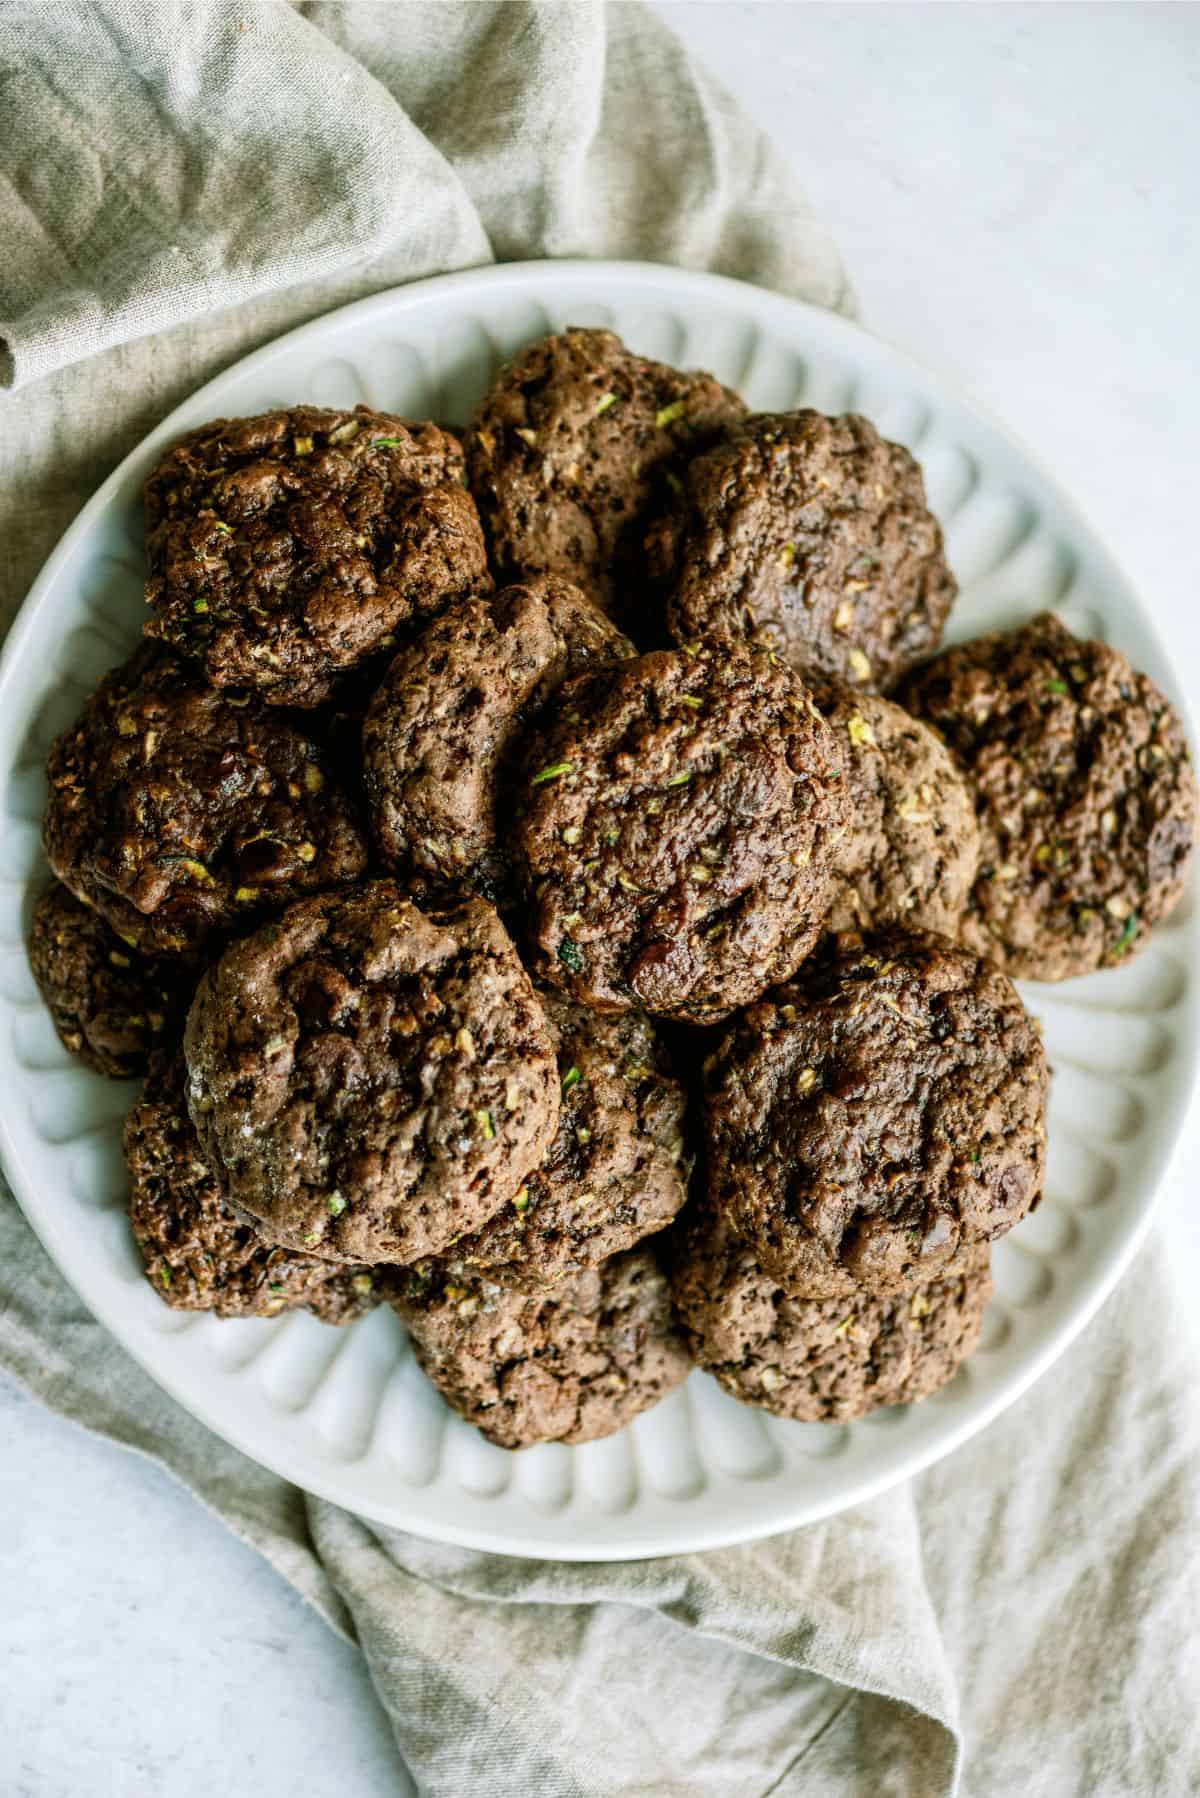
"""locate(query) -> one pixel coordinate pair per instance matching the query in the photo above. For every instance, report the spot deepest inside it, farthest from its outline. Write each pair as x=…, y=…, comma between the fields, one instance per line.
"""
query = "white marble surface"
x=1013, y=189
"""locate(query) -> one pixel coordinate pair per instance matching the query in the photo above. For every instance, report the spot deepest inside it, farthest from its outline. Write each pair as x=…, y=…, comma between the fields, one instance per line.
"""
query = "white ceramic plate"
x=348, y=1414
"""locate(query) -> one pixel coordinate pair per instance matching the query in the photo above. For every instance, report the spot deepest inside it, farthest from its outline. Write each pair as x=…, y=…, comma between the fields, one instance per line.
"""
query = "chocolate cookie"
x=180, y=813
x=575, y=444
x=370, y=1080
x=568, y=1365
x=110, y=1006
x=911, y=851
x=812, y=533
x=441, y=730
x=199, y=1256
x=1085, y=793
x=676, y=838
x=875, y=1117
x=283, y=548
x=821, y=1360
x=616, y=1171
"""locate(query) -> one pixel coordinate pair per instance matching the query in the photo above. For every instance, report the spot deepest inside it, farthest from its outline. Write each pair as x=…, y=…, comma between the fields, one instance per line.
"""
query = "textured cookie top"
x=617, y=1168
x=675, y=843
x=443, y=727
x=1085, y=791
x=868, y=1120
x=283, y=548
x=821, y=1360
x=568, y=1365
x=370, y=1080
x=110, y=1005
x=813, y=534
x=179, y=812
x=911, y=851
x=577, y=441
x=198, y=1255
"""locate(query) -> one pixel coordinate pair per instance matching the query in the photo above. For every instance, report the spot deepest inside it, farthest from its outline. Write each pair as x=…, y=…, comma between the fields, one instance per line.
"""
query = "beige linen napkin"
x=179, y=182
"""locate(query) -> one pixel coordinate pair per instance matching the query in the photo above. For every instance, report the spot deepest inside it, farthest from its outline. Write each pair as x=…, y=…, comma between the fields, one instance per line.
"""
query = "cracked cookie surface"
x=443, y=730
x=283, y=548
x=198, y=1254
x=111, y=1006
x=811, y=533
x=821, y=1360
x=369, y=1079
x=876, y=1117
x=577, y=442
x=911, y=850
x=180, y=813
x=1085, y=793
x=569, y=1365
x=617, y=1169
x=675, y=843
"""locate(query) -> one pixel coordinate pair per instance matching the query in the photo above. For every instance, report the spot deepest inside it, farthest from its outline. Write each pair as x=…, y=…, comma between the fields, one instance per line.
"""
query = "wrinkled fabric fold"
x=178, y=184
x=701, y=1674
x=280, y=146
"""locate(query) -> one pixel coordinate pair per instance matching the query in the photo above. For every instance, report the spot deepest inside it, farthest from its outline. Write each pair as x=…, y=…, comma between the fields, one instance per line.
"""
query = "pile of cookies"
x=553, y=885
